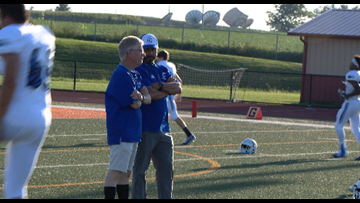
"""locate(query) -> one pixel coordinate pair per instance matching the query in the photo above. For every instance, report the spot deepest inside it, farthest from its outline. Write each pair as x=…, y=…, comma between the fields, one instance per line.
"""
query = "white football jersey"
x=35, y=45
x=170, y=66
x=352, y=75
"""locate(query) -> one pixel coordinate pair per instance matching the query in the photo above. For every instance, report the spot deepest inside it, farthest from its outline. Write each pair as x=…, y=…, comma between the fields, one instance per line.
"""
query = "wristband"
x=161, y=86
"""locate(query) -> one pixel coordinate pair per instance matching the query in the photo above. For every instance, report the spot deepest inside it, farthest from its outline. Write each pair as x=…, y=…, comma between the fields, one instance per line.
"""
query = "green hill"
x=112, y=28
x=91, y=76
x=70, y=49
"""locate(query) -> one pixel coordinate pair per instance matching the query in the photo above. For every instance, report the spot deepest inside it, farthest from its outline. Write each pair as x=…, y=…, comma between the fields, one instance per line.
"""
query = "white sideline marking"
x=76, y=135
x=270, y=122
x=226, y=119
x=224, y=132
x=212, y=158
x=72, y=165
x=80, y=108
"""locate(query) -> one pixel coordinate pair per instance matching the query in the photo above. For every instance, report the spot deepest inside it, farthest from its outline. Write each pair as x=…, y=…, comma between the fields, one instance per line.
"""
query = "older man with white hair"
x=123, y=98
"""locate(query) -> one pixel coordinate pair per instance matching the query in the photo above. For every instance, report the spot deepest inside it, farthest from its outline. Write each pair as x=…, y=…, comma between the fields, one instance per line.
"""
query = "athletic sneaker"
x=189, y=139
x=357, y=159
x=341, y=153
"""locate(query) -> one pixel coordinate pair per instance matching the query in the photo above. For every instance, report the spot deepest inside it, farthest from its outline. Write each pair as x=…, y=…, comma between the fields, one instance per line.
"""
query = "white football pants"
x=349, y=111
x=172, y=108
x=22, y=151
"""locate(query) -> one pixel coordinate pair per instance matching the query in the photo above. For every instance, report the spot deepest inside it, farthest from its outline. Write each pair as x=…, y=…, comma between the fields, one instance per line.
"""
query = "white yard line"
x=270, y=122
x=80, y=108
x=226, y=119
x=212, y=158
x=223, y=132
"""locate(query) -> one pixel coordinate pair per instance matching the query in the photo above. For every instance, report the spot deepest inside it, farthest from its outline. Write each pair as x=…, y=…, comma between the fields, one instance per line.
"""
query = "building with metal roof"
x=330, y=42
x=333, y=23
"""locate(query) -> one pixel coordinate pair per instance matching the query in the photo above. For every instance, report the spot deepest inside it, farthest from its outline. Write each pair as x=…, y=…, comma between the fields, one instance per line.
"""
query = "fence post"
x=231, y=84
x=75, y=76
x=95, y=31
x=228, y=44
x=137, y=30
x=277, y=41
x=182, y=38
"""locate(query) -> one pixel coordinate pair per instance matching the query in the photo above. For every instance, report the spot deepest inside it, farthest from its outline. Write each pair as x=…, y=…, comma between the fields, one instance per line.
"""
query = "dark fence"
x=254, y=86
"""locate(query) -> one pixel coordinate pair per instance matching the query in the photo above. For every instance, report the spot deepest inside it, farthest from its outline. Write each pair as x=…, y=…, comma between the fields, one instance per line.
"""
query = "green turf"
x=291, y=161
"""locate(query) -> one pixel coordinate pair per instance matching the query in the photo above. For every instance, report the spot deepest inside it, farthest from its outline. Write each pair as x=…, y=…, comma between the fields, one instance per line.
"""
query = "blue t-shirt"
x=155, y=115
x=122, y=121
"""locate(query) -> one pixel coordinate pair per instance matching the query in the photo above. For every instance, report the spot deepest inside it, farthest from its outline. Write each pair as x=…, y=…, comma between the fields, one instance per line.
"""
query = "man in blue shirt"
x=123, y=98
x=157, y=143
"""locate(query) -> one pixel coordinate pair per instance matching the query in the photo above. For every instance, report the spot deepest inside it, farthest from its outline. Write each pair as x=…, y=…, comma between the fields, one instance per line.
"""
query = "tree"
x=344, y=6
x=322, y=9
x=63, y=7
x=287, y=17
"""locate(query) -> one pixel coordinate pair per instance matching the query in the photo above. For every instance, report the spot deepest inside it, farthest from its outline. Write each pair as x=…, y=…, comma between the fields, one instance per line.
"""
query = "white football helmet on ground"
x=248, y=146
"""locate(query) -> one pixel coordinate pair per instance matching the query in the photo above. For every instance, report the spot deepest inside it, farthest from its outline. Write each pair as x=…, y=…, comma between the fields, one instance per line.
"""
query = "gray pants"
x=160, y=148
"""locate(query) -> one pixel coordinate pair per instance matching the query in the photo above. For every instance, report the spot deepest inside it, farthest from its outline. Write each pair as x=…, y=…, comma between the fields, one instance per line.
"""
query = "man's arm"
x=171, y=88
x=155, y=93
x=177, y=77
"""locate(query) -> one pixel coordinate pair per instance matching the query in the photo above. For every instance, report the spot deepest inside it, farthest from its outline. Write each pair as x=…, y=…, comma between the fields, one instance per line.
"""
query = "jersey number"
x=35, y=78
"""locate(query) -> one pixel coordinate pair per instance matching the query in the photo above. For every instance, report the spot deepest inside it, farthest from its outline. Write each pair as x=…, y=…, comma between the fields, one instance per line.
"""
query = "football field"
x=293, y=160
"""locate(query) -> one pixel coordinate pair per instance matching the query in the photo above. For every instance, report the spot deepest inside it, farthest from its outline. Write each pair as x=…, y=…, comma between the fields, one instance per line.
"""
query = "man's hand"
x=144, y=91
x=136, y=95
x=178, y=98
x=146, y=95
x=171, y=79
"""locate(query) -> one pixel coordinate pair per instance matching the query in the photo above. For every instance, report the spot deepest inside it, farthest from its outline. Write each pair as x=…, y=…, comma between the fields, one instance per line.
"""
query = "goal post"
x=210, y=83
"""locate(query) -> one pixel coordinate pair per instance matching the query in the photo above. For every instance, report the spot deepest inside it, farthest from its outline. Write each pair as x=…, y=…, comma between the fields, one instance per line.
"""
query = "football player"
x=350, y=109
x=27, y=54
x=162, y=58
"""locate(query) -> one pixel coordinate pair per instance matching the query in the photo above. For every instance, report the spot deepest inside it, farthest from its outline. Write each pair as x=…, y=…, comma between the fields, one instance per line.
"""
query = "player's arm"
x=356, y=91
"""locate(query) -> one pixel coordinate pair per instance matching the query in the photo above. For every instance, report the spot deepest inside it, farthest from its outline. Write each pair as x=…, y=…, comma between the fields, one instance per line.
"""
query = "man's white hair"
x=127, y=43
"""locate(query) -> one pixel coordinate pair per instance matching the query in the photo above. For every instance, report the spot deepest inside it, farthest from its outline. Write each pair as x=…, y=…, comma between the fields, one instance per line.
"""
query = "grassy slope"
x=107, y=52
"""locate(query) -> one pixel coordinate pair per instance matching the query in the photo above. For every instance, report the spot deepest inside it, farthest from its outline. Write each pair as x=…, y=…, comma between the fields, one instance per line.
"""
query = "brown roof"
x=336, y=22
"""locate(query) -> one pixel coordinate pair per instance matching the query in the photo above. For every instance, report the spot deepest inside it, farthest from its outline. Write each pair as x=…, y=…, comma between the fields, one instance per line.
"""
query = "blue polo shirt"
x=155, y=115
x=123, y=123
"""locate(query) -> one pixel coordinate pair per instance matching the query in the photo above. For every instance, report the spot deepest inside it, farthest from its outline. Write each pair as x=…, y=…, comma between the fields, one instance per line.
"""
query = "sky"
x=254, y=11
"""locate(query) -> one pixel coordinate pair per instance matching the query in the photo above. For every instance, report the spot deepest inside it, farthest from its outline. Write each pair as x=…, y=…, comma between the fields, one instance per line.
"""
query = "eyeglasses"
x=141, y=50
